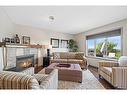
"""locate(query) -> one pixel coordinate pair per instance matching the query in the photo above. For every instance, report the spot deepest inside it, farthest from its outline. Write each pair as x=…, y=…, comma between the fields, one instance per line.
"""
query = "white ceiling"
x=68, y=19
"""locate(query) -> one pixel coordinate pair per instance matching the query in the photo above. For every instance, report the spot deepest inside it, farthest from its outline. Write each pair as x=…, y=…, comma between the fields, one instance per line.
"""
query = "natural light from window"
x=105, y=47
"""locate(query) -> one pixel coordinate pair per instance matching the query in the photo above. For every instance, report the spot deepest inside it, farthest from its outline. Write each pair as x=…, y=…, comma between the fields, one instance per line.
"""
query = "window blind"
x=112, y=33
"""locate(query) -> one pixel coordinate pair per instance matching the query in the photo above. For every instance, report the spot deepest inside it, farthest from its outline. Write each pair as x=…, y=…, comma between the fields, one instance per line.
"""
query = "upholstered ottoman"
x=68, y=72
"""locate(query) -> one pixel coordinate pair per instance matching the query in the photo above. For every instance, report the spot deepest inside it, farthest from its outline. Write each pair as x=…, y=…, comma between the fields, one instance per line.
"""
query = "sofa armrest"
x=16, y=80
x=108, y=64
x=85, y=61
x=51, y=82
x=84, y=58
x=119, y=77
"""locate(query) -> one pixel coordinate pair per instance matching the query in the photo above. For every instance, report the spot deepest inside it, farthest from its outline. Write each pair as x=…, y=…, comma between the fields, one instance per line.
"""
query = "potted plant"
x=72, y=46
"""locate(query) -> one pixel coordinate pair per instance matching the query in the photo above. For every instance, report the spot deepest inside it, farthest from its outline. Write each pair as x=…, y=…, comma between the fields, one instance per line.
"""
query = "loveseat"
x=70, y=57
x=17, y=80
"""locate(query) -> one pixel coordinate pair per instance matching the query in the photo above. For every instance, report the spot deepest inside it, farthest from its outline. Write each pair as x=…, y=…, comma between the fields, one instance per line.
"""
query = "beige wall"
x=7, y=28
x=41, y=36
x=80, y=38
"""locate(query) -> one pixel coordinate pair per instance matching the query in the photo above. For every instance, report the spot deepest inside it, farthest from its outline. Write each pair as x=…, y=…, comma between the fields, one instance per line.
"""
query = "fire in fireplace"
x=25, y=61
x=25, y=64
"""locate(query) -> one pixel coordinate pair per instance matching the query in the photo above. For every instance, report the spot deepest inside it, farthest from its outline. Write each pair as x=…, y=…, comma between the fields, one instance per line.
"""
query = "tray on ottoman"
x=63, y=65
x=68, y=72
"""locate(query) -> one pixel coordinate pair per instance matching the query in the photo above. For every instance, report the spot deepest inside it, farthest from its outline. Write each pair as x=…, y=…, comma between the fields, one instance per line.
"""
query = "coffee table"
x=67, y=72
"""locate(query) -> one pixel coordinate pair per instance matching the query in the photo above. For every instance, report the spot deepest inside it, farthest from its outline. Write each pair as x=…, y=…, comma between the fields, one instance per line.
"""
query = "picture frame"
x=64, y=43
x=7, y=40
x=54, y=42
x=26, y=40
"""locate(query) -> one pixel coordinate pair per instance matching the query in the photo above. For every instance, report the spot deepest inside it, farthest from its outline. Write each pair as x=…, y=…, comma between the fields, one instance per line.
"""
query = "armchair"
x=113, y=73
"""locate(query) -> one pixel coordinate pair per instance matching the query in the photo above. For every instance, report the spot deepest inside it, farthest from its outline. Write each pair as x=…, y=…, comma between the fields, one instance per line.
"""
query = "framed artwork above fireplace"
x=26, y=40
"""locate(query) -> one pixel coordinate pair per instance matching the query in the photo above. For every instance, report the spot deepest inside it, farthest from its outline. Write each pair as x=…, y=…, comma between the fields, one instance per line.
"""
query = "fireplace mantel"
x=24, y=46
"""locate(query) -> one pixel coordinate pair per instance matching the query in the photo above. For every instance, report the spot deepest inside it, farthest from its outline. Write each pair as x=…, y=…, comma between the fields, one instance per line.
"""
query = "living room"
x=63, y=47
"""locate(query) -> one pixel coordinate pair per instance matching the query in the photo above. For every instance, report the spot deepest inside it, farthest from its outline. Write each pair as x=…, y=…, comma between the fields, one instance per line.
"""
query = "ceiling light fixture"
x=51, y=18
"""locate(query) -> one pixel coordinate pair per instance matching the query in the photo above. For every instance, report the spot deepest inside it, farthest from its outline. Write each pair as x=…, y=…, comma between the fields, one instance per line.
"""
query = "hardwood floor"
x=94, y=71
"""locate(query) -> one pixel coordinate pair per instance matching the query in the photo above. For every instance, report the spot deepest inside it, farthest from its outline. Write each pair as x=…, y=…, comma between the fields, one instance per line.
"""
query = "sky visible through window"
x=91, y=44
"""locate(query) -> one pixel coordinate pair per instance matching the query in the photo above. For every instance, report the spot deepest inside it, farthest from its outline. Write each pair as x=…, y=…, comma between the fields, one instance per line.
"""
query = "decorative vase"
x=17, y=40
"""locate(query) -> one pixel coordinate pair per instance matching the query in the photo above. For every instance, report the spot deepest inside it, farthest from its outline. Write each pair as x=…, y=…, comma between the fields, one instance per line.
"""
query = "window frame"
x=105, y=58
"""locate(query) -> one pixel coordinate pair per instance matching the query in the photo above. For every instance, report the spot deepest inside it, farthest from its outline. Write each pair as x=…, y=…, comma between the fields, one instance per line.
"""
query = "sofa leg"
x=79, y=82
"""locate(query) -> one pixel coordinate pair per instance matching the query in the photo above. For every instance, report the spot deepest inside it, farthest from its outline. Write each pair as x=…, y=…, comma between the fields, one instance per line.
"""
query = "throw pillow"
x=79, y=55
x=56, y=55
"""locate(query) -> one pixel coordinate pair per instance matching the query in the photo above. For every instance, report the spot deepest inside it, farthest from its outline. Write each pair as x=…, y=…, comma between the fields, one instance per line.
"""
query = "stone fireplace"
x=23, y=62
x=22, y=58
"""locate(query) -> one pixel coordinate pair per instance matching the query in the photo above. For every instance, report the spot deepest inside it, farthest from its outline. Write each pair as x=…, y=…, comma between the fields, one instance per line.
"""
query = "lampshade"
x=123, y=61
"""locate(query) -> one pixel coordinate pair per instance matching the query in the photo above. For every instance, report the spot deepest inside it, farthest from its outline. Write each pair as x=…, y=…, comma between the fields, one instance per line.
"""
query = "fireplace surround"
x=23, y=62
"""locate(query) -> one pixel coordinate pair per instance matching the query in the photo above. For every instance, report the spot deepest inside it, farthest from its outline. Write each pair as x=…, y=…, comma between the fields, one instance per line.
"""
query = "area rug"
x=89, y=82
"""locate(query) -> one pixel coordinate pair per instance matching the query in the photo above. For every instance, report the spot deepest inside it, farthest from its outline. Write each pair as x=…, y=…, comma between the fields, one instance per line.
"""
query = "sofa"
x=70, y=58
x=113, y=73
x=17, y=80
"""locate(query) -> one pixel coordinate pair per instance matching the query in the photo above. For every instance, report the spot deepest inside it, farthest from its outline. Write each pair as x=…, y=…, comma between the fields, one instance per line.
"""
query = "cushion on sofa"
x=40, y=77
x=59, y=61
x=56, y=55
x=107, y=70
x=71, y=55
x=63, y=55
x=79, y=55
x=75, y=61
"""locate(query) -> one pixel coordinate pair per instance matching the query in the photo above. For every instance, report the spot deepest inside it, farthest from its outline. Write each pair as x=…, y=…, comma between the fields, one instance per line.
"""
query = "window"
x=106, y=45
x=90, y=47
x=100, y=47
x=114, y=47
